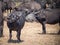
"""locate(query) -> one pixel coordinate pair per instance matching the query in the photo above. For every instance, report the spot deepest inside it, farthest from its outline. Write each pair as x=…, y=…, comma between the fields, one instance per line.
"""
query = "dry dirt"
x=32, y=35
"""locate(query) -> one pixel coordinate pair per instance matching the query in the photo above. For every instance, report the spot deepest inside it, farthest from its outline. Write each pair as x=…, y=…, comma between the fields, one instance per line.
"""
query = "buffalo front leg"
x=10, y=9
x=18, y=35
x=10, y=34
x=43, y=28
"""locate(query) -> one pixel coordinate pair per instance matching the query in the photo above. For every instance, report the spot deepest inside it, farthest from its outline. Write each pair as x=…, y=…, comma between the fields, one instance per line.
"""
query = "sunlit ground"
x=31, y=34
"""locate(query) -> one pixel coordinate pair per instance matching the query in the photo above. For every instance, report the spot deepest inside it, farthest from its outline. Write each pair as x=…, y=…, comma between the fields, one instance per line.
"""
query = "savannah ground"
x=31, y=34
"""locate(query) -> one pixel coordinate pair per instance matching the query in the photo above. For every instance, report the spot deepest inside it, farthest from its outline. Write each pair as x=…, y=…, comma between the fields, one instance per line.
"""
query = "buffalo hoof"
x=43, y=32
x=19, y=40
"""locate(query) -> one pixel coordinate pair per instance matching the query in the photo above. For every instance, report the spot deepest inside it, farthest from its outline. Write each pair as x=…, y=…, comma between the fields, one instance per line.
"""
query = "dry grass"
x=31, y=35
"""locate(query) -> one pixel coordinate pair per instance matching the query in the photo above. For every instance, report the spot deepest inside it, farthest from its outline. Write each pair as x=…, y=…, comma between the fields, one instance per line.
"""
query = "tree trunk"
x=1, y=20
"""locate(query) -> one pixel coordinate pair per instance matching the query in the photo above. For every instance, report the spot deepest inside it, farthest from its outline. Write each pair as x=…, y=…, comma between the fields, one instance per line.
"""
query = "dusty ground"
x=32, y=35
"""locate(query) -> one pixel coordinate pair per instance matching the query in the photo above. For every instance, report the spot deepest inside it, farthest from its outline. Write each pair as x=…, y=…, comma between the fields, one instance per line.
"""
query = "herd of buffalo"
x=32, y=11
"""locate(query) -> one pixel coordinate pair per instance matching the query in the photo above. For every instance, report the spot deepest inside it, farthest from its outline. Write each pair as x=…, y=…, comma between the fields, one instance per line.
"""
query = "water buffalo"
x=7, y=5
x=15, y=22
x=30, y=16
x=48, y=16
x=29, y=7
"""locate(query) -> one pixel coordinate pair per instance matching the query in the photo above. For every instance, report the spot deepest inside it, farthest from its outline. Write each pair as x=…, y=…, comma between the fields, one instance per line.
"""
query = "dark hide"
x=49, y=17
x=15, y=22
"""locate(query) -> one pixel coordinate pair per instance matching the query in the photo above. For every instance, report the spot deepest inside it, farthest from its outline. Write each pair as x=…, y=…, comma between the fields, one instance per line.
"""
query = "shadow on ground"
x=59, y=32
x=15, y=41
x=49, y=33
